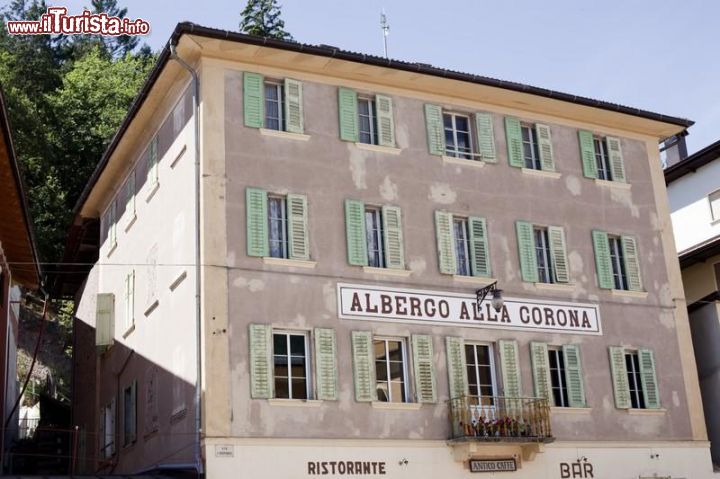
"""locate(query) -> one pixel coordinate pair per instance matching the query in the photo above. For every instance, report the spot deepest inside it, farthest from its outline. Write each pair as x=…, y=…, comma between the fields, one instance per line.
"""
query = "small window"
x=543, y=254
x=632, y=363
x=367, y=116
x=107, y=440
x=602, y=159
x=462, y=246
x=557, y=377
x=130, y=415
x=458, y=140
x=481, y=374
x=390, y=373
x=277, y=226
x=275, y=106
x=531, y=150
x=714, y=199
x=374, y=232
x=290, y=359
x=618, y=263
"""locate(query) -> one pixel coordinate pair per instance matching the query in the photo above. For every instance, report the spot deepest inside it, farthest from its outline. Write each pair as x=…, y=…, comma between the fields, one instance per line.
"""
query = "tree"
x=116, y=47
x=262, y=18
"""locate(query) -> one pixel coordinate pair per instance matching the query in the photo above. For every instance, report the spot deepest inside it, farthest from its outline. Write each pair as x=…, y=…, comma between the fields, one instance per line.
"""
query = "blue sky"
x=657, y=55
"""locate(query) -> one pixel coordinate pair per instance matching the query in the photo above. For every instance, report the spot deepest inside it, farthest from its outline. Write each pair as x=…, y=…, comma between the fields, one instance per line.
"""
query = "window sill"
x=178, y=156
x=451, y=160
x=570, y=410
x=378, y=148
x=284, y=134
x=153, y=306
x=541, y=173
x=715, y=222
x=178, y=280
x=403, y=273
x=178, y=414
x=295, y=402
x=290, y=263
x=613, y=184
x=129, y=331
x=646, y=412
x=479, y=280
x=404, y=406
x=152, y=192
x=113, y=247
x=555, y=286
x=630, y=294
x=130, y=222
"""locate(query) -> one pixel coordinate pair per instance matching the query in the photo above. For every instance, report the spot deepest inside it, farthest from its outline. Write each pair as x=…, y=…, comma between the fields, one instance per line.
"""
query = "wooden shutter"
x=617, y=164
x=424, y=368
x=104, y=319
x=510, y=365
x=544, y=137
x=648, y=378
x=485, y=137
x=363, y=366
x=479, y=247
x=253, y=100
x=299, y=244
x=435, y=129
x=130, y=299
x=132, y=436
x=385, y=120
x=355, y=232
x=153, y=176
x=112, y=219
x=574, y=375
x=632, y=263
x=526, y=248
x=348, y=110
x=294, y=122
x=541, y=370
x=130, y=197
x=261, y=363
x=256, y=207
x=602, y=260
x=513, y=135
x=587, y=153
x=558, y=254
x=393, y=237
x=457, y=367
x=619, y=377
x=445, y=242
x=326, y=364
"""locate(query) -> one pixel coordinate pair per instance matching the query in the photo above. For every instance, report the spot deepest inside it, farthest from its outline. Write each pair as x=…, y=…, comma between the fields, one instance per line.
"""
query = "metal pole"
x=386, y=31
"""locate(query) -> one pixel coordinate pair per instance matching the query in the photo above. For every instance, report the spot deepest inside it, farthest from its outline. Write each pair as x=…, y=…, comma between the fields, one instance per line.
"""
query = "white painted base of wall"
x=292, y=458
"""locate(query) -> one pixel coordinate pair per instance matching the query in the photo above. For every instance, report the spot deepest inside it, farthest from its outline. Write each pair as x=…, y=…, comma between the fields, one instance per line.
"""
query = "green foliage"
x=262, y=18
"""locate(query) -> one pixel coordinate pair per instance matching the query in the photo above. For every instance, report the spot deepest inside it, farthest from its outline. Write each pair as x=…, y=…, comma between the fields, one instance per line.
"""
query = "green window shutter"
x=355, y=230
x=526, y=248
x=479, y=247
x=587, y=153
x=445, y=242
x=393, y=237
x=648, y=378
x=541, y=370
x=513, y=134
x=104, y=319
x=632, y=263
x=547, y=158
x=558, y=254
x=363, y=366
x=485, y=137
x=574, y=375
x=326, y=364
x=457, y=367
x=253, y=100
x=348, y=110
x=435, y=129
x=619, y=377
x=385, y=120
x=256, y=207
x=617, y=164
x=294, y=106
x=299, y=245
x=112, y=219
x=510, y=365
x=602, y=259
x=424, y=368
x=130, y=197
x=152, y=175
x=261, y=363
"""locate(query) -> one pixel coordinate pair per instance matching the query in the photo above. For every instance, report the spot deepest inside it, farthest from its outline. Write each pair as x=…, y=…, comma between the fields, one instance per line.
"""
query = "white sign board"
x=421, y=306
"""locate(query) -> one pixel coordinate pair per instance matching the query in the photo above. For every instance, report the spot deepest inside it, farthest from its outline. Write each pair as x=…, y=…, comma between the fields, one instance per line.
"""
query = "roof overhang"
x=699, y=253
x=692, y=163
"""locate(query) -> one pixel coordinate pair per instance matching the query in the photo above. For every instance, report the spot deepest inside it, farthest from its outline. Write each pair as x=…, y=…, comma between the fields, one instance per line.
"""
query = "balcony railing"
x=499, y=418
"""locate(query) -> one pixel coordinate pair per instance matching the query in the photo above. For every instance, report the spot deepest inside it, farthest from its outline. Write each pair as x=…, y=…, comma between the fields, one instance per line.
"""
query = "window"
x=543, y=254
x=602, y=159
x=367, y=116
x=129, y=300
x=277, y=225
x=291, y=365
x=274, y=106
x=130, y=414
x=458, y=142
x=390, y=375
x=277, y=222
x=714, y=199
x=374, y=233
x=617, y=262
x=531, y=151
x=462, y=246
x=481, y=373
x=632, y=364
x=557, y=377
x=107, y=433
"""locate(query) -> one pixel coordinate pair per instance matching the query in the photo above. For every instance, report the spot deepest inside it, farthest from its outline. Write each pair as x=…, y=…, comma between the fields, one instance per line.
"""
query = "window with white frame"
x=458, y=137
x=291, y=365
x=632, y=364
x=481, y=373
x=617, y=262
x=367, y=124
x=462, y=245
x=714, y=199
x=374, y=232
x=531, y=150
x=556, y=362
x=278, y=226
x=602, y=159
x=543, y=254
x=275, y=106
x=390, y=369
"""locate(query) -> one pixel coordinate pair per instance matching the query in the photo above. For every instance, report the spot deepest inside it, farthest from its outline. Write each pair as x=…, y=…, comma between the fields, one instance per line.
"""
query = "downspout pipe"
x=198, y=271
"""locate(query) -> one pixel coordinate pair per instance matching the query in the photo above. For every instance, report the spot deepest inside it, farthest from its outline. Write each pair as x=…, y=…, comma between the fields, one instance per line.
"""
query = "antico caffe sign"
x=421, y=306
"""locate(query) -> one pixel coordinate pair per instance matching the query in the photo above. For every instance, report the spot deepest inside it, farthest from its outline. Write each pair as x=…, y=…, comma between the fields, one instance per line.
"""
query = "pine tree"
x=262, y=18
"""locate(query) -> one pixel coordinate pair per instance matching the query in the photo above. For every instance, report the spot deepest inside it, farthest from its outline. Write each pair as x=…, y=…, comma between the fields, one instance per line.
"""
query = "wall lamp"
x=497, y=300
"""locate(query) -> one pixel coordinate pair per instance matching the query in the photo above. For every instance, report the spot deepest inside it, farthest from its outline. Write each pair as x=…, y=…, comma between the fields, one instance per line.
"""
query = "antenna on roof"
x=385, y=26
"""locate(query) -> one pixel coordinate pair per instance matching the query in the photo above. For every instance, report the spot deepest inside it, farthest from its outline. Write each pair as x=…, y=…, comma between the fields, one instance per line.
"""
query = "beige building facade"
x=350, y=208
